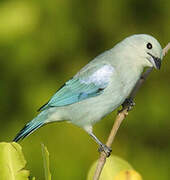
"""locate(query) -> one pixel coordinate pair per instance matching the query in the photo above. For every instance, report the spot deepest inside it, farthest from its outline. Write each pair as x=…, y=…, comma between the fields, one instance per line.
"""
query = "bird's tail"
x=33, y=125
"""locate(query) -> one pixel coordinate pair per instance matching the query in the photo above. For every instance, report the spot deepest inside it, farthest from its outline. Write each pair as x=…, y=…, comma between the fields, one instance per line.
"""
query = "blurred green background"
x=44, y=43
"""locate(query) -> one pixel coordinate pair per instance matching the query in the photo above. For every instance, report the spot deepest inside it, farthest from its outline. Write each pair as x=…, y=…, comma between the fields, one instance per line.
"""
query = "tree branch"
x=121, y=116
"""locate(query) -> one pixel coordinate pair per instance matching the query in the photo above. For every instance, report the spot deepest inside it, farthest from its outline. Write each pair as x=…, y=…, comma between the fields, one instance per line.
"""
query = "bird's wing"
x=84, y=85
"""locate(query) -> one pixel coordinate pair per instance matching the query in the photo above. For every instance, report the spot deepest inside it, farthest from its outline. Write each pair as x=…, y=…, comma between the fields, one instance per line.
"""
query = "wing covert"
x=84, y=85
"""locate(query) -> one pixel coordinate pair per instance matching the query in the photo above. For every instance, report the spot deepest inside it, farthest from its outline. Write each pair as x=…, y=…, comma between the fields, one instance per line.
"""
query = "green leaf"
x=12, y=162
x=45, y=154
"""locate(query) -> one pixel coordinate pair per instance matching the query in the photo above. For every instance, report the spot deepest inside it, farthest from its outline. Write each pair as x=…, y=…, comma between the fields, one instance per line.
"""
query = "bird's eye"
x=149, y=46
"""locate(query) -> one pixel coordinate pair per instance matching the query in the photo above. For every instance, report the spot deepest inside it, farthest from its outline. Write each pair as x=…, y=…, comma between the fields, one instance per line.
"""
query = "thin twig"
x=120, y=117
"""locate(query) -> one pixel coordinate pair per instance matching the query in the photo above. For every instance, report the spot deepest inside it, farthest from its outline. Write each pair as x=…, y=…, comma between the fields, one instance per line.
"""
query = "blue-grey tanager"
x=100, y=87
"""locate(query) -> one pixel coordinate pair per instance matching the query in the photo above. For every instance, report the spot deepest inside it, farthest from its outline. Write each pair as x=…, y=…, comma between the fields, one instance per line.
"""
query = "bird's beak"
x=155, y=61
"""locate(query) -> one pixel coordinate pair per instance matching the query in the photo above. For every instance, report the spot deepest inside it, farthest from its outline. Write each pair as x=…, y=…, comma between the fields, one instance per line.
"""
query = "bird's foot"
x=128, y=103
x=105, y=149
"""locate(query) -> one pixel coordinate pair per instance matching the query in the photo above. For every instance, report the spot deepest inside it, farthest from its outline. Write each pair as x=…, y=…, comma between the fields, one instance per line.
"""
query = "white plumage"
x=101, y=77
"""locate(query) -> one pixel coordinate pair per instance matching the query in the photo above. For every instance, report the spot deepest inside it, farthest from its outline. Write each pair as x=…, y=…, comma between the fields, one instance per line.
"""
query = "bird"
x=100, y=87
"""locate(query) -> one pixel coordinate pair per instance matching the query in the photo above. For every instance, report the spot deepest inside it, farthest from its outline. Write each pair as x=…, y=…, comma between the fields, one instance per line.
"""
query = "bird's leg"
x=102, y=147
x=128, y=103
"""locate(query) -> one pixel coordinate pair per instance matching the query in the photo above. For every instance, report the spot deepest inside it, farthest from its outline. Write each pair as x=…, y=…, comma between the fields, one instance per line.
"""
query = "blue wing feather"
x=78, y=89
x=74, y=91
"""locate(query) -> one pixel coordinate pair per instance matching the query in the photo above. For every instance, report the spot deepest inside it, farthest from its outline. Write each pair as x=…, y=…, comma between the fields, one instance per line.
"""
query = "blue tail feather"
x=31, y=126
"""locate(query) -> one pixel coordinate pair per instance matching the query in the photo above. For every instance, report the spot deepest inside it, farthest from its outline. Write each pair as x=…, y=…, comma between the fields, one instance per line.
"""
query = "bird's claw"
x=105, y=149
x=128, y=103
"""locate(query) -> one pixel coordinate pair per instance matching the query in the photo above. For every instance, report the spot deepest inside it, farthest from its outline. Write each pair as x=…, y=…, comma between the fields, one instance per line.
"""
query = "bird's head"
x=147, y=50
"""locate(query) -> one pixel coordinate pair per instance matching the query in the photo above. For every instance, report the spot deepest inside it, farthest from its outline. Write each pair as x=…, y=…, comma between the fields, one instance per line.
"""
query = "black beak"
x=157, y=61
